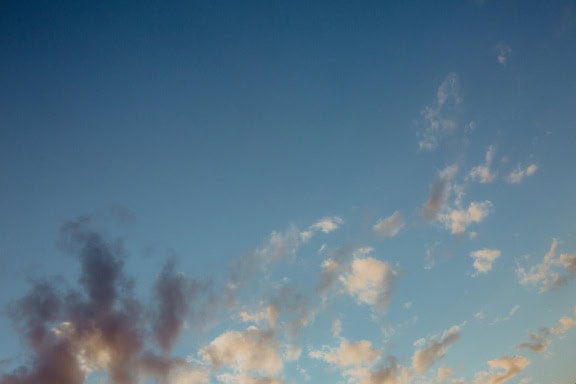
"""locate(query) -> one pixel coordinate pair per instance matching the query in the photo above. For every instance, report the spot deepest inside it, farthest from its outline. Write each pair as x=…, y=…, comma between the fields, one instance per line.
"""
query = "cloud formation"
x=440, y=119
x=501, y=370
x=434, y=350
x=518, y=174
x=101, y=326
x=551, y=273
x=483, y=173
x=484, y=258
x=389, y=226
x=458, y=220
x=439, y=192
x=369, y=281
x=504, y=51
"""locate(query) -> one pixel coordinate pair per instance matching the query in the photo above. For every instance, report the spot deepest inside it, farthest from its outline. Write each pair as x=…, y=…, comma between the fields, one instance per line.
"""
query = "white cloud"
x=249, y=352
x=547, y=274
x=389, y=226
x=517, y=175
x=501, y=370
x=510, y=314
x=458, y=220
x=483, y=173
x=369, y=281
x=324, y=225
x=504, y=51
x=484, y=258
x=440, y=119
x=434, y=350
x=348, y=354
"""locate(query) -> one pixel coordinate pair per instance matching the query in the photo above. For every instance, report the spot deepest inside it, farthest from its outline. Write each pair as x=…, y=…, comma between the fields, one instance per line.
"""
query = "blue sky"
x=287, y=192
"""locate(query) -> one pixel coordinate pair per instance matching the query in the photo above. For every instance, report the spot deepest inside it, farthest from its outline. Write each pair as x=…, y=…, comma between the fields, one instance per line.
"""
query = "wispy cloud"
x=434, y=350
x=551, y=273
x=518, y=174
x=439, y=192
x=501, y=370
x=484, y=258
x=507, y=317
x=389, y=226
x=542, y=338
x=440, y=119
x=504, y=51
x=483, y=173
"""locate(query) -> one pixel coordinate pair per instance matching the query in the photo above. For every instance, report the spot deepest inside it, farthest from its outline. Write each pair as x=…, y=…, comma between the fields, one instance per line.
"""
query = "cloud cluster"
x=541, y=339
x=101, y=326
x=551, y=273
x=458, y=220
x=440, y=119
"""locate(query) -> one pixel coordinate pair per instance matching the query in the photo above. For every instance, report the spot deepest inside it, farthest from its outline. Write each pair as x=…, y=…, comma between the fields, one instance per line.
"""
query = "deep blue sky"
x=212, y=130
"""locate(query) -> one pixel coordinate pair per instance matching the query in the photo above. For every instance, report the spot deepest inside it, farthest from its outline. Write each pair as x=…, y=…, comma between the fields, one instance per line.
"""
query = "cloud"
x=484, y=258
x=438, y=193
x=389, y=226
x=439, y=120
x=517, y=175
x=369, y=281
x=501, y=370
x=250, y=352
x=324, y=225
x=458, y=220
x=539, y=341
x=99, y=326
x=434, y=350
x=510, y=314
x=504, y=51
x=348, y=354
x=482, y=173
x=548, y=274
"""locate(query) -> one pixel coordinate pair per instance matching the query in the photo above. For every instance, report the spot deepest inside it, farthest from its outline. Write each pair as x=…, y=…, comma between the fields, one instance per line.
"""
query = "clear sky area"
x=288, y=192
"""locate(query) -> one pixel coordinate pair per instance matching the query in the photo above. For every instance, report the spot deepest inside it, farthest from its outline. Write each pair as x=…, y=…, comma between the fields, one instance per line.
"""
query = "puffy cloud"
x=389, y=226
x=440, y=119
x=482, y=173
x=458, y=220
x=501, y=370
x=484, y=258
x=546, y=275
x=517, y=175
x=434, y=350
x=269, y=313
x=370, y=281
x=249, y=352
x=504, y=51
x=438, y=193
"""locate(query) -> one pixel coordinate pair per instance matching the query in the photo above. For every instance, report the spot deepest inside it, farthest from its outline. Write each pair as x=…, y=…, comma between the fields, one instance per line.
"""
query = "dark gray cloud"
x=102, y=321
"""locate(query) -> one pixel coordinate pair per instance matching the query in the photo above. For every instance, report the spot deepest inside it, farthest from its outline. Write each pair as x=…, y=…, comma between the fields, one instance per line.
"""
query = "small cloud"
x=434, y=350
x=458, y=220
x=369, y=281
x=483, y=173
x=438, y=193
x=502, y=370
x=539, y=341
x=510, y=314
x=389, y=226
x=325, y=225
x=504, y=51
x=517, y=175
x=440, y=118
x=551, y=273
x=484, y=258
x=408, y=305
x=348, y=354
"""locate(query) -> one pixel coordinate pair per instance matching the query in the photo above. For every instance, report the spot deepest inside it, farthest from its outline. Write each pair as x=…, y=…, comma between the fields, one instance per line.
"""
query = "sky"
x=282, y=192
